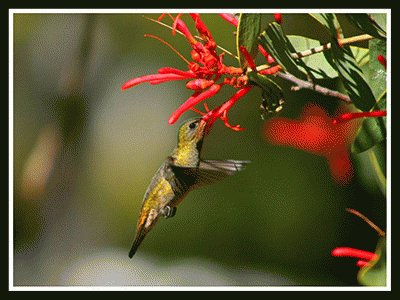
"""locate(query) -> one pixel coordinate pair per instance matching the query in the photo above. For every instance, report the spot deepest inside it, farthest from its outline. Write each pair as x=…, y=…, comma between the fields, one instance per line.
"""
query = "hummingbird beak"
x=205, y=127
x=202, y=130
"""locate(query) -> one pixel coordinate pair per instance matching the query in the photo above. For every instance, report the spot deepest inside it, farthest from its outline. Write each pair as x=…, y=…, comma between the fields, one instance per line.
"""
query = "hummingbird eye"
x=193, y=125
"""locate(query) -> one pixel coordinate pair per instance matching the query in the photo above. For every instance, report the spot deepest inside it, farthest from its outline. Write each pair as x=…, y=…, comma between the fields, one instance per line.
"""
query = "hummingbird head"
x=191, y=132
x=190, y=141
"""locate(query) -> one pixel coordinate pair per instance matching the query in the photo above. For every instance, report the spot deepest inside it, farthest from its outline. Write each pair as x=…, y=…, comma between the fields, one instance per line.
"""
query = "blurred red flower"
x=315, y=132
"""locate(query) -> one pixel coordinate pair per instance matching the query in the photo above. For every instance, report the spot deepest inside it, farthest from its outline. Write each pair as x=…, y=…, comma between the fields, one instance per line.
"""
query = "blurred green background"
x=85, y=151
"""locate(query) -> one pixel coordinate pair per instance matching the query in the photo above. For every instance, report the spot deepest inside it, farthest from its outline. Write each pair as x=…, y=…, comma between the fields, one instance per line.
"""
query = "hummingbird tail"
x=136, y=243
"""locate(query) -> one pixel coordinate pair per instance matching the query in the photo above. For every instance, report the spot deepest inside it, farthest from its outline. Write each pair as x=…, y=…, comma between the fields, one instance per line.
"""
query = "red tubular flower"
x=382, y=60
x=314, y=132
x=248, y=58
x=278, y=18
x=201, y=27
x=230, y=18
x=153, y=78
x=193, y=101
x=362, y=263
x=181, y=26
x=364, y=256
x=271, y=70
x=222, y=110
x=269, y=58
x=352, y=252
x=199, y=84
x=351, y=116
x=168, y=70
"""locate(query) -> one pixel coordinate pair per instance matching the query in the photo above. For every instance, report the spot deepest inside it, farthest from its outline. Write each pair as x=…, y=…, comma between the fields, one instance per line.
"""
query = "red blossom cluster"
x=206, y=73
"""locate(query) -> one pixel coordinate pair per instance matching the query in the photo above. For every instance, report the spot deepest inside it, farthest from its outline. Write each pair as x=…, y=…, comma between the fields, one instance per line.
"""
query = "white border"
x=187, y=288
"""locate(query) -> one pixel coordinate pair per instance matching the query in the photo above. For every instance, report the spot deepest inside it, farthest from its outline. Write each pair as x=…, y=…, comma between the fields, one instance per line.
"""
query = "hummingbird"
x=181, y=172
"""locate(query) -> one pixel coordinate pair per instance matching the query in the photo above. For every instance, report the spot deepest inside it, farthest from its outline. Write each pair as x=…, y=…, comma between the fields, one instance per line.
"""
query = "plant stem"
x=302, y=84
x=368, y=221
x=350, y=40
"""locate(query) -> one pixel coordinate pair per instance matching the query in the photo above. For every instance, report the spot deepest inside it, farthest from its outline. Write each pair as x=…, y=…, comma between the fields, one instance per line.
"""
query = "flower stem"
x=350, y=40
x=302, y=84
x=366, y=220
x=167, y=44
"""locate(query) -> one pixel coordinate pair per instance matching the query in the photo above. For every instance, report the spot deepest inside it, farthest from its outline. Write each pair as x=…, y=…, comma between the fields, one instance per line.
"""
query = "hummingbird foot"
x=168, y=211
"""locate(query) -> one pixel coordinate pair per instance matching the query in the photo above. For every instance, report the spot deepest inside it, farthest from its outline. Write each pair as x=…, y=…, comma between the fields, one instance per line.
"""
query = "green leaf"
x=372, y=130
x=361, y=55
x=375, y=274
x=265, y=84
x=368, y=25
x=380, y=20
x=279, y=47
x=376, y=74
x=330, y=22
x=352, y=77
x=349, y=72
x=248, y=30
x=317, y=63
x=377, y=158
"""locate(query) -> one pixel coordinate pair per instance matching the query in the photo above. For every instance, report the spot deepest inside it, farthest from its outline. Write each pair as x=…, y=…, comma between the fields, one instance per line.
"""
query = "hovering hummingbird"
x=180, y=173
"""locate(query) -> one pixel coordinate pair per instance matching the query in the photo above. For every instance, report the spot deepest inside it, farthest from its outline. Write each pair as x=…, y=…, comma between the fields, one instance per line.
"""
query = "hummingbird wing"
x=208, y=171
x=211, y=171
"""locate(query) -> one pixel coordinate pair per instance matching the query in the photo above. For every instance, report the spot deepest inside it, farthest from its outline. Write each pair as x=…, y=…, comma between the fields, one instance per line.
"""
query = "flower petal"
x=201, y=27
x=181, y=26
x=148, y=78
x=192, y=101
x=230, y=18
x=216, y=113
x=362, y=263
x=169, y=70
x=351, y=116
x=352, y=252
x=382, y=60
x=248, y=58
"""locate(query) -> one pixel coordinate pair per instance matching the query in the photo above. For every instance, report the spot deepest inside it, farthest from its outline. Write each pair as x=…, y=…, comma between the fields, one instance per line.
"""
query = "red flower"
x=278, y=18
x=351, y=116
x=314, y=132
x=206, y=73
x=382, y=60
x=230, y=18
x=269, y=58
x=364, y=256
